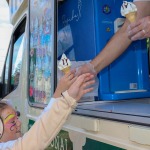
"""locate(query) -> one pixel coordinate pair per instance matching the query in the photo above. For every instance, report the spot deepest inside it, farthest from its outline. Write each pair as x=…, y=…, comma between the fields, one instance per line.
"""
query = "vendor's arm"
x=120, y=41
x=114, y=48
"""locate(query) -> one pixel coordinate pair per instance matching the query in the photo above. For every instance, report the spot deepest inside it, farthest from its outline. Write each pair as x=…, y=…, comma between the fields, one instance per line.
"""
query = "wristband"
x=71, y=101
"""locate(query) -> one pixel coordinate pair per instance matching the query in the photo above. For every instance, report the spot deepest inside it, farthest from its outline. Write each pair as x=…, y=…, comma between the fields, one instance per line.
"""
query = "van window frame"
x=10, y=50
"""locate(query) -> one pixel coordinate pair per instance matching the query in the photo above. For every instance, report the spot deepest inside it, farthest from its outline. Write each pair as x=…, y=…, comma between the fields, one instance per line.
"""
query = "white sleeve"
x=7, y=145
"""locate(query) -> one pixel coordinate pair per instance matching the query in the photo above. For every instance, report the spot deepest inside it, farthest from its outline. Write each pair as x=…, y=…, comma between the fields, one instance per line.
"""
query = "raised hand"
x=81, y=86
x=64, y=83
x=139, y=29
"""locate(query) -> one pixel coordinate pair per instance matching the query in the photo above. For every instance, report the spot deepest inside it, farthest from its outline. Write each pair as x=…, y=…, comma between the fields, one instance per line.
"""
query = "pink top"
x=46, y=127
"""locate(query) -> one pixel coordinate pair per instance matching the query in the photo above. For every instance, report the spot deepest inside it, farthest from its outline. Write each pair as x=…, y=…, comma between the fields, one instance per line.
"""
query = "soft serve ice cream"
x=129, y=10
x=64, y=64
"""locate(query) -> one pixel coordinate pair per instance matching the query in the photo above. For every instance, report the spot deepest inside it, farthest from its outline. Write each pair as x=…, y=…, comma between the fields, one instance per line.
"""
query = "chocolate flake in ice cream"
x=64, y=64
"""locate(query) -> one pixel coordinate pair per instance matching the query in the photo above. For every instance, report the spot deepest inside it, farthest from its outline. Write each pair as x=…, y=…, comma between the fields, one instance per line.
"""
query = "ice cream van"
x=116, y=115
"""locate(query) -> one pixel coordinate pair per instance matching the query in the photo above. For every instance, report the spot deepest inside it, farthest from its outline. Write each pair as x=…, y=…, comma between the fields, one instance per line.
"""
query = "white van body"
x=80, y=132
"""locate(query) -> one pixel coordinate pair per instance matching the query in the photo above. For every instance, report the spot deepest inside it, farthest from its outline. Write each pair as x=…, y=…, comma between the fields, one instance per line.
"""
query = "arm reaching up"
x=53, y=117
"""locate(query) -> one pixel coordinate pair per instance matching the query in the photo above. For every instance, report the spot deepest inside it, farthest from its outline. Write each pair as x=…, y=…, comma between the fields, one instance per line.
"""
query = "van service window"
x=17, y=61
x=14, y=59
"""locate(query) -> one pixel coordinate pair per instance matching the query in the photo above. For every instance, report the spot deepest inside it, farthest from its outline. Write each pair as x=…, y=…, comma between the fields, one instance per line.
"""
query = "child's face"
x=12, y=125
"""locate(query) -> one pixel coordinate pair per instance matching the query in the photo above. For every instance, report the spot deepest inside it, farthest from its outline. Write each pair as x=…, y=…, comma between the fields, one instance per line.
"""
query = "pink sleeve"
x=48, y=125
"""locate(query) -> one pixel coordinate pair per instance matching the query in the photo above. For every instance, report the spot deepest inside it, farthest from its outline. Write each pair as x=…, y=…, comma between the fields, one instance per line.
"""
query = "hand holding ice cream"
x=64, y=64
x=129, y=10
x=139, y=29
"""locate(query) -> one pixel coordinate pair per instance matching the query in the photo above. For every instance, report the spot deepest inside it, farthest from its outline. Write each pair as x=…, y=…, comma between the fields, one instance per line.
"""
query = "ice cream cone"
x=66, y=70
x=64, y=64
x=131, y=16
x=129, y=10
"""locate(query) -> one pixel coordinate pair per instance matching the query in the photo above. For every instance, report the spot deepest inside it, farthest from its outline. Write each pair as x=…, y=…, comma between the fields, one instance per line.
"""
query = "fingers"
x=84, y=91
x=81, y=86
x=136, y=33
x=140, y=35
x=89, y=77
x=72, y=81
x=73, y=71
x=85, y=87
x=133, y=29
x=87, y=91
x=139, y=30
x=70, y=75
x=136, y=29
x=88, y=83
x=83, y=78
x=78, y=81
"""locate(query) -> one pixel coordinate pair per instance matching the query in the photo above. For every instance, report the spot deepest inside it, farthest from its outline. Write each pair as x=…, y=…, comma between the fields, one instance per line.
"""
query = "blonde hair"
x=3, y=105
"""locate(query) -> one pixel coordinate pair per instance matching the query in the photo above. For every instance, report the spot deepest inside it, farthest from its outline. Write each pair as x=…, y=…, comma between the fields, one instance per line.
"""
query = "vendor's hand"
x=81, y=86
x=64, y=83
x=139, y=29
x=86, y=68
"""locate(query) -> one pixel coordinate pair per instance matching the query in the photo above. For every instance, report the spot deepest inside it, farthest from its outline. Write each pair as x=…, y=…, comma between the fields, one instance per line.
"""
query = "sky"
x=5, y=31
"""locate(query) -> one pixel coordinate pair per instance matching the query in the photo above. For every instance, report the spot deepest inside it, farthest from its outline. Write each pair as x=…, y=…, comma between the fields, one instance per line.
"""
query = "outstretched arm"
x=117, y=45
x=112, y=50
x=53, y=117
x=120, y=41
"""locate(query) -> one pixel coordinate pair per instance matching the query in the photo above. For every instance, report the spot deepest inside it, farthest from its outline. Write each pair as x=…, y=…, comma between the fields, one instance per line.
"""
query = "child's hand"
x=64, y=83
x=81, y=86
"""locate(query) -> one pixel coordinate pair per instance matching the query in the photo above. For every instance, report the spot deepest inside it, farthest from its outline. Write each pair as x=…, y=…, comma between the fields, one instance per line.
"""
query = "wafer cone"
x=131, y=16
x=66, y=70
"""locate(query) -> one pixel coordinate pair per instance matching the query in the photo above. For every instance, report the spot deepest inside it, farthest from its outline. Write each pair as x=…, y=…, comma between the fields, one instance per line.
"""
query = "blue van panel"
x=92, y=26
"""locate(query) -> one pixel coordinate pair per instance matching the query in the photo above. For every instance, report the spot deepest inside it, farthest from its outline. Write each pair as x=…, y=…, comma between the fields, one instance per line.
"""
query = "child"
x=50, y=121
